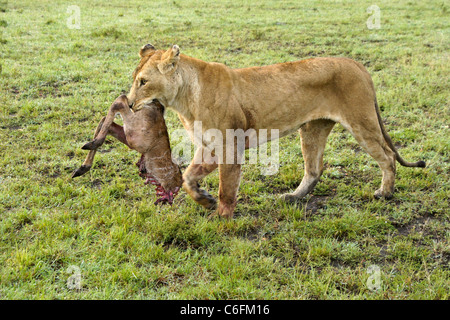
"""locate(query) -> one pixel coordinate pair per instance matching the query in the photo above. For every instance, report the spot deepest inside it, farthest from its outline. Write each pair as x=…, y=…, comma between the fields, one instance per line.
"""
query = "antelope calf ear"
x=169, y=60
x=159, y=107
x=146, y=50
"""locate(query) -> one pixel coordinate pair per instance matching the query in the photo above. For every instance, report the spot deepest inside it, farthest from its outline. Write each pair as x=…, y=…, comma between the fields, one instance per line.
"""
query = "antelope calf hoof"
x=93, y=145
x=80, y=171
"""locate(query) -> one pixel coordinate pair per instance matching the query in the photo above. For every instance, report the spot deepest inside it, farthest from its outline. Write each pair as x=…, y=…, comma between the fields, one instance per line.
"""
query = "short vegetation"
x=57, y=82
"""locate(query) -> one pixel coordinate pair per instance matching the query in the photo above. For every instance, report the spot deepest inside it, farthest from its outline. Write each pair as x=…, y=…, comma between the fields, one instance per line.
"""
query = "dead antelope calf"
x=144, y=131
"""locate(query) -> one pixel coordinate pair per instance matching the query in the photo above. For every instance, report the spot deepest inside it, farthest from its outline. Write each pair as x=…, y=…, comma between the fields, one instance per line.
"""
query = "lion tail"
x=420, y=164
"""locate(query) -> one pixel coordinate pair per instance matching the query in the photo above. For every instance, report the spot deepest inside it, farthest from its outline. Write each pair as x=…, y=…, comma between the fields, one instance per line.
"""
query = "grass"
x=57, y=83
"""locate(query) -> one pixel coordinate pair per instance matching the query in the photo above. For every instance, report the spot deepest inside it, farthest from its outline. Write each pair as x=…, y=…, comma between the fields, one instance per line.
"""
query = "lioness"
x=310, y=95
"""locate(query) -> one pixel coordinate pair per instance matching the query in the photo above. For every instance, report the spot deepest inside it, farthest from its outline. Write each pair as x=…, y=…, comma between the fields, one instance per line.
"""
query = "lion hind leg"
x=371, y=139
x=314, y=136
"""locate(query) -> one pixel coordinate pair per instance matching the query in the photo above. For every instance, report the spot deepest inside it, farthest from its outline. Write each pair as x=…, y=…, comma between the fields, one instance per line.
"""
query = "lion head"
x=156, y=77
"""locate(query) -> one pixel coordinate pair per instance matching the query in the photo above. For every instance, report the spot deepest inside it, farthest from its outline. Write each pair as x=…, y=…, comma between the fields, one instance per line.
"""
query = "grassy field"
x=57, y=82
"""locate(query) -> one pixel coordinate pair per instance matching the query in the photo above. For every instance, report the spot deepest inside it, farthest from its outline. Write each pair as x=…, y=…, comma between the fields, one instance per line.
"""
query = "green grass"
x=57, y=83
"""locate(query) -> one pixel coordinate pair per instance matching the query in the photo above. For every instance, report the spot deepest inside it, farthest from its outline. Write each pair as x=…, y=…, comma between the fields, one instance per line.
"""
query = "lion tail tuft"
x=419, y=164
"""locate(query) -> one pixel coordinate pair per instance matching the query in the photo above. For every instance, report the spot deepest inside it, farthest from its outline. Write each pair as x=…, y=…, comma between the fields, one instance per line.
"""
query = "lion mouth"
x=140, y=104
x=165, y=196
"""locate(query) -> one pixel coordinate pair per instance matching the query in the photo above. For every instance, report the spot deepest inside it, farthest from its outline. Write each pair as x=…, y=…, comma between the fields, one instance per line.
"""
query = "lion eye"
x=143, y=82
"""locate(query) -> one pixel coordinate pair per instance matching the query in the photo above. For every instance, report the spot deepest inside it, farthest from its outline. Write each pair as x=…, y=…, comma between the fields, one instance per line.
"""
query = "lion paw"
x=380, y=193
x=290, y=198
x=206, y=200
x=224, y=211
x=200, y=196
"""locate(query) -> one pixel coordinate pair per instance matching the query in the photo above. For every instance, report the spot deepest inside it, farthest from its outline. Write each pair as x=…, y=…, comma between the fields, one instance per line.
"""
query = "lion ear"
x=169, y=60
x=146, y=50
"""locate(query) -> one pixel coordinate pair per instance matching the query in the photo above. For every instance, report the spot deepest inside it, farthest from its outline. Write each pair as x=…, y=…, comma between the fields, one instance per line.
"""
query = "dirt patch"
x=374, y=40
x=316, y=203
x=53, y=89
x=106, y=150
x=97, y=183
x=172, y=279
x=348, y=287
x=356, y=149
x=419, y=225
x=14, y=90
x=51, y=172
x=108, y=32
x=12, y=127
x=445, y=260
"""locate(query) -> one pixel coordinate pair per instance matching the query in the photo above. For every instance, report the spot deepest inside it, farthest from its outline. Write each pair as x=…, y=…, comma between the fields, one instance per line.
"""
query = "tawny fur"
x=310, y=95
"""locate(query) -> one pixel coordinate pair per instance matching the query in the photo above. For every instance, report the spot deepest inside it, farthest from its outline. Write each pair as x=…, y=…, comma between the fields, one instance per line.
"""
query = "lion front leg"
x=197, y=170
x=229, y=180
